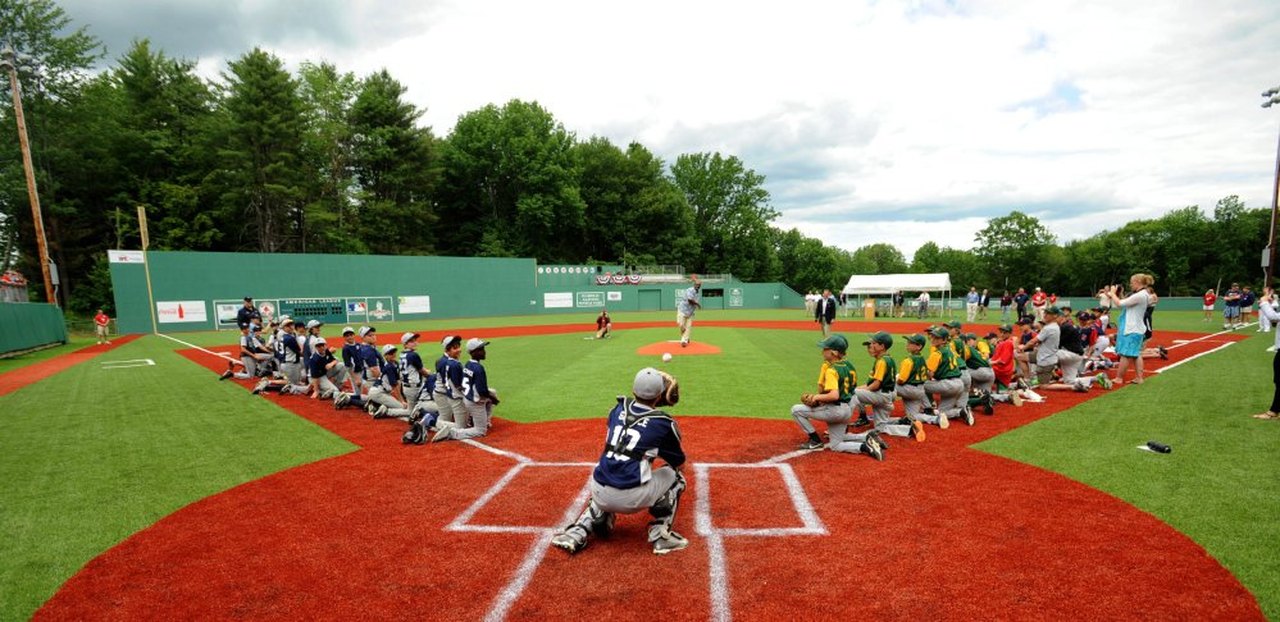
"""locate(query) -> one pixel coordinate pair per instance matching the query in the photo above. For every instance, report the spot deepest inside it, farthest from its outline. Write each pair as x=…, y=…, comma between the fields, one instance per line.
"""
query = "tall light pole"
x=9, y=60
x=1272, y=96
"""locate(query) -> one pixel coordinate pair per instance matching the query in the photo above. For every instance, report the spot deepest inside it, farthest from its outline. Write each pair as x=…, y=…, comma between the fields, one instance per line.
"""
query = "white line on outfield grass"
x=1220, y=333
x=1192, y=358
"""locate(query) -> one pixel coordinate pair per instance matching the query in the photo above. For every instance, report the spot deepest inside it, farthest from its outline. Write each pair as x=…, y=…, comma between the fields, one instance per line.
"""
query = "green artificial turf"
x=1218, y=486
x=92, y=455
x=22, y=360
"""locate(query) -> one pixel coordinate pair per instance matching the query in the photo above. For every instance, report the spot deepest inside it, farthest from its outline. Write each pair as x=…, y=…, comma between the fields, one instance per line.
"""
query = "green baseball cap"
x=917, y=339
x=835, y=342
x=882, y=338
x=953, y=324
x=968, y=336
x=1054, y=310
x=940, y=333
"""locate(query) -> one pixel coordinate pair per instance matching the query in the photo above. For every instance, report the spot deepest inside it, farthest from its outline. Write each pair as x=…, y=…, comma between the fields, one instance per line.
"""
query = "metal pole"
x=41, y=243
x=1271, y=240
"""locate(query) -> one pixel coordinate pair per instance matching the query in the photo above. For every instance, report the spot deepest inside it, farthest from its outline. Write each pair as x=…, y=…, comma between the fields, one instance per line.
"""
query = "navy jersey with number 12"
x=629, y=451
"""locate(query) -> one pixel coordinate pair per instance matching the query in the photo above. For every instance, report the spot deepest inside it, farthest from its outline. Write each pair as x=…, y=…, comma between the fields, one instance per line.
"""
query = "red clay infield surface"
x=455, y=531
x=11, y=381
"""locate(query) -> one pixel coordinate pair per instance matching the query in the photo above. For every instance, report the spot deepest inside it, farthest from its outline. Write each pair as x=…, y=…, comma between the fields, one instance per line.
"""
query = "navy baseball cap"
x=450, y=340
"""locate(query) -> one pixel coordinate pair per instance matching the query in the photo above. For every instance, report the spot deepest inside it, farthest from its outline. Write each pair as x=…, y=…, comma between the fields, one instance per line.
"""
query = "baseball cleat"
x=811, y=444
x=226, y=374
x=879, y=439
x=967, y=413
x=261, y=386
x=1016, y=397
x=380, y=412
x=943, y=422
x=571, y=540
x=917, y=431
x=443, y=434
x=862, y=420
x=668, y=542
x=873, y=449
x=1164, y=353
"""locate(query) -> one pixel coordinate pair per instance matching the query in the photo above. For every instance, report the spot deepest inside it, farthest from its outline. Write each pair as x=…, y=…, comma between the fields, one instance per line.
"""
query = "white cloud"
x=862, y=111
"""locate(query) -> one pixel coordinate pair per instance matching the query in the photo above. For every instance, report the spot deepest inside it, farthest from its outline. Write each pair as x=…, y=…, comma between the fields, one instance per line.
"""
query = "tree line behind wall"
x=324, y=161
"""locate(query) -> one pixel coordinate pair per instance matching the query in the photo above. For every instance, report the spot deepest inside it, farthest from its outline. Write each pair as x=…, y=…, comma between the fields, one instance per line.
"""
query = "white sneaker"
x=443, y=432
x=668, y=542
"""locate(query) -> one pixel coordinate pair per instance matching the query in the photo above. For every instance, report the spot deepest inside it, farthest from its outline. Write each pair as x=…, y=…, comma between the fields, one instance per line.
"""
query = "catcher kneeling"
x=625, y=481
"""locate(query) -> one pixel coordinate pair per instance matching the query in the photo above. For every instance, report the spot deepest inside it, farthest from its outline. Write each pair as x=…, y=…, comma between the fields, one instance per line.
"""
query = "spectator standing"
x=100, y=323
x=825, y=313
x=1231, y=308
x=1020, y=299
x=1005, y=302
x=898, y=300
x=984, y=301
x=1268, y=310
x=1038, y=303
x=1247, y=298
x=971, y=304
x=923, y=304
x=1132, y=326
x=1210, y=298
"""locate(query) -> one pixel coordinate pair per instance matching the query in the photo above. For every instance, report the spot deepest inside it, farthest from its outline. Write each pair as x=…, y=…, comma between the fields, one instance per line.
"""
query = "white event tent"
x=861, y=285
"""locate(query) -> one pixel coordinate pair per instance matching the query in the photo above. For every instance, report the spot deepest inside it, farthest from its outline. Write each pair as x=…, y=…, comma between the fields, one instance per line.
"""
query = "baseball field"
x=138, y=486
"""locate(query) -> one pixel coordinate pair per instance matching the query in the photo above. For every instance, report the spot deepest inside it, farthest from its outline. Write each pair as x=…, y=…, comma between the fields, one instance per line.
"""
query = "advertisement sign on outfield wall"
x=180, y=311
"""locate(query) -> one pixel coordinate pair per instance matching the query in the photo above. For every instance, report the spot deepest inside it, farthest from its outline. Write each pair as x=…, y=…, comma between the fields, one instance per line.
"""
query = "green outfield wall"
x=27, y=325
x=201, y=291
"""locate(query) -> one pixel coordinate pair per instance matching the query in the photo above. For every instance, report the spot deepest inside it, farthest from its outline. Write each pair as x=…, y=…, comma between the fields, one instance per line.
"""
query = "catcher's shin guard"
x=664, y=510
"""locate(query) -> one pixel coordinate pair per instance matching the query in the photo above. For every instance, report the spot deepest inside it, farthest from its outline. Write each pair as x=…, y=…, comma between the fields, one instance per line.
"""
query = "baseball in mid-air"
x=666, y=357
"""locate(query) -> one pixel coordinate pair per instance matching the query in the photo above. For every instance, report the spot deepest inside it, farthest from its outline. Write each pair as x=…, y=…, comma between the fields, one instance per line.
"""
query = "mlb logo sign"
x=355, y=307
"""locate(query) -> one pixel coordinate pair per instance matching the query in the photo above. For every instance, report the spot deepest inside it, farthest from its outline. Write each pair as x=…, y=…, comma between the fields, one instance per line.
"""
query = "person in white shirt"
x=923, y=301
x=1131, y=328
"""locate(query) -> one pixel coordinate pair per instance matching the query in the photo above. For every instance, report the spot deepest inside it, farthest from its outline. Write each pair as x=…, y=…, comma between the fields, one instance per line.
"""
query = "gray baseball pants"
x=949, y=392
x=881, y=403
x=836, y=416
x=481, y=414
x=913, y=402
x=984, y=379
x=382, y=397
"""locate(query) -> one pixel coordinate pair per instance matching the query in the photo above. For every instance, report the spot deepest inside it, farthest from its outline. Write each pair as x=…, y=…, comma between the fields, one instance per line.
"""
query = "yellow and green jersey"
x=884, y=370
x=839, y=375
x=943, y=364
x=977, y=359
x=913, y=370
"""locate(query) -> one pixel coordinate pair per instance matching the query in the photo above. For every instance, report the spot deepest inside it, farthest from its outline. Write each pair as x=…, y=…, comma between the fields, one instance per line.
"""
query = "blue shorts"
x=1229, y=312
x=1129, y=345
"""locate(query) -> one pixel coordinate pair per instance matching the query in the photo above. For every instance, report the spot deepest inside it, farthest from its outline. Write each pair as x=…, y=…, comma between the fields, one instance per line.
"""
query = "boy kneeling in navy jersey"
x=624, y=481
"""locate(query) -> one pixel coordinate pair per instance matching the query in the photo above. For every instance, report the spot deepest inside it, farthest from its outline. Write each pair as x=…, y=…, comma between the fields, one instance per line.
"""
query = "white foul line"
x=494, y=450
x=1192, y=358
x=1209, y=336
x=192, y=345
x=524, y=574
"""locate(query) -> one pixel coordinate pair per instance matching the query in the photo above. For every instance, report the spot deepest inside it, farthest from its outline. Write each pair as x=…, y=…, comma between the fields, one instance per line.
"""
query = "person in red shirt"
x=604, y=325
x=1038, y=302
x=100, y=322
x=1210, y=297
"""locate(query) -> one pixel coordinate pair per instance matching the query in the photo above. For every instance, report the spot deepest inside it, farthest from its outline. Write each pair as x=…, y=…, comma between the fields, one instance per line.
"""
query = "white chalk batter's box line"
x=812, y=525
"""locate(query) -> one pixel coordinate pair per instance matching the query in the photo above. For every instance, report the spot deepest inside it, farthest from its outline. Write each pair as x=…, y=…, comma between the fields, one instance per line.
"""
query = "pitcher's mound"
x=694, y=347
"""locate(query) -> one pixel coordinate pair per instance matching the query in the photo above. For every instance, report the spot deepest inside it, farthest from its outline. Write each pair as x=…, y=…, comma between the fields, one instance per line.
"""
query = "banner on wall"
x=413, y=304
x=124, y=256
x=557, y=300
x=590, y=299
x=174, y=312
x=615, y=296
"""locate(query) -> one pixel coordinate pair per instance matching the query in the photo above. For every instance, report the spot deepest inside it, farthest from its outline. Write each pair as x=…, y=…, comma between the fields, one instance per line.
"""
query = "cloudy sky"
x=890, y=121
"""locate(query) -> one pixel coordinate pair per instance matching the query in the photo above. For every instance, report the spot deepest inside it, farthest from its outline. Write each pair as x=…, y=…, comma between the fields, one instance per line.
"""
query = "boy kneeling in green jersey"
x=836, y=382
x=879, y=391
